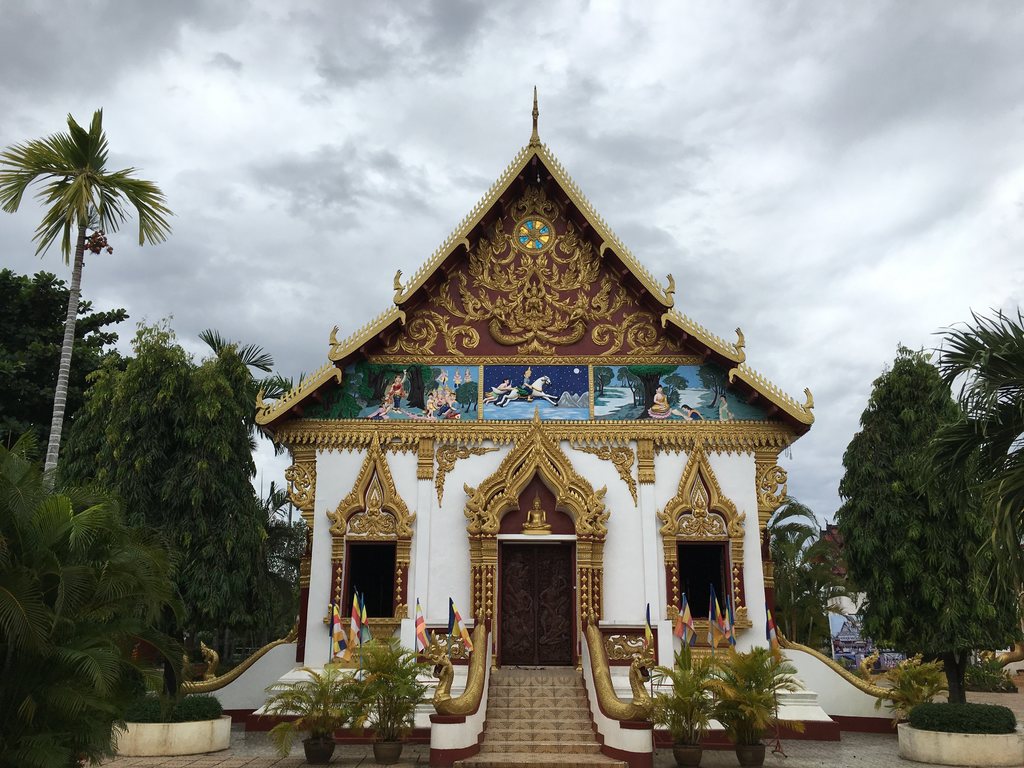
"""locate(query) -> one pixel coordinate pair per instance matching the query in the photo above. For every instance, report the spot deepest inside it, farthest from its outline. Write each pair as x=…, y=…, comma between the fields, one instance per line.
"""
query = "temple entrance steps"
x=539, y=718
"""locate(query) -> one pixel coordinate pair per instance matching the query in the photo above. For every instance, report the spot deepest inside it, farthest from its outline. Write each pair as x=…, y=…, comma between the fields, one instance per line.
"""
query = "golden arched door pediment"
x=536, y=454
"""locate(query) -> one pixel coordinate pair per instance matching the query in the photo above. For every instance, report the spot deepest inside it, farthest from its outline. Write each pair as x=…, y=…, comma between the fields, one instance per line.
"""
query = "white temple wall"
x=336, y=473
x=449, y=570
x=624, y=593
x=736, y=475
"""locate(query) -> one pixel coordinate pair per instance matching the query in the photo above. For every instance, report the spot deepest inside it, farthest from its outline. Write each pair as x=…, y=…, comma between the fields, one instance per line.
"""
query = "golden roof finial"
x=535, y=137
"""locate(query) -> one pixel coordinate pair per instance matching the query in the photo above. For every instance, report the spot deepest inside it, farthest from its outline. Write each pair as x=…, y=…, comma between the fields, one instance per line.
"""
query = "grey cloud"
x=345, y=179
x=364, y=41
x=921, y=65
x=225, y=61
x=44, y=51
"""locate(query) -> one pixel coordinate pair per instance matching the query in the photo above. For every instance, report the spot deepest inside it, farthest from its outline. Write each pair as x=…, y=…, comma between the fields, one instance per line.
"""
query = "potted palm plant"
x=746, y=685
x=320, y=704
x=687, y=710
x=388, y=694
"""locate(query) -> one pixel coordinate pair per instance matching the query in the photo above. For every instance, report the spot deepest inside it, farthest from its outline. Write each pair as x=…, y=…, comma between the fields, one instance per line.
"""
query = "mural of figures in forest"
x=668, y=393
x=386, y=392
x=516, y=391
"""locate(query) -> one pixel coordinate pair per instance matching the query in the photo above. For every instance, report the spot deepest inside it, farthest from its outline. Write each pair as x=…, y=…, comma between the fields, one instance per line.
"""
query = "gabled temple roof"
x=731, y=355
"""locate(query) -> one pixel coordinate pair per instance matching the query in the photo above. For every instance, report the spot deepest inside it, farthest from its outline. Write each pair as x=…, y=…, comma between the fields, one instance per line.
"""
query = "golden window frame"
x=700, y=512
x=373, y=511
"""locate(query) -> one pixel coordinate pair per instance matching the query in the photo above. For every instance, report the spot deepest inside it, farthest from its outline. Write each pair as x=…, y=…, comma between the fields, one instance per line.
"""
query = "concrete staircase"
x=538, y=718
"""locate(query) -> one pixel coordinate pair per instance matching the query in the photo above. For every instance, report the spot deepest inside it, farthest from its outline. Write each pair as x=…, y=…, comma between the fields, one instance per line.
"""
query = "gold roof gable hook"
x=535, y=137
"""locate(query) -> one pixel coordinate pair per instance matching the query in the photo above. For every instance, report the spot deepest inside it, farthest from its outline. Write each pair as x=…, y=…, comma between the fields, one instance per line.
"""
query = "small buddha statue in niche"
x=536, y=520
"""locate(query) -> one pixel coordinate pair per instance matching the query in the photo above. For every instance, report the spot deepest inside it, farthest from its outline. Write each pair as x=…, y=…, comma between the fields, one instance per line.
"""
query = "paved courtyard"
x=855, y=750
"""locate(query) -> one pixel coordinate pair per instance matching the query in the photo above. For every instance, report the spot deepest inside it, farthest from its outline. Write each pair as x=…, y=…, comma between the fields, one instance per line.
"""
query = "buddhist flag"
x=455, y=625
x=685, y=630
x=353, y=627
x=770, y=632
x=730, y=623
x=716, y=624
x=364, y=625
x=648, y=632
x=338, y=644
x=421, y=627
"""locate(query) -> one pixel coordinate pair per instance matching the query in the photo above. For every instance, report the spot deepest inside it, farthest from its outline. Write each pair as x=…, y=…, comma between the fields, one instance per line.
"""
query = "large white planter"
x=976, y=749
x=155, y=739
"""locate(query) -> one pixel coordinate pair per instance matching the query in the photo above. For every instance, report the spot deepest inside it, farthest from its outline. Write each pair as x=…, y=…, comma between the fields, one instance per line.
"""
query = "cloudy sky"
x=835, y=178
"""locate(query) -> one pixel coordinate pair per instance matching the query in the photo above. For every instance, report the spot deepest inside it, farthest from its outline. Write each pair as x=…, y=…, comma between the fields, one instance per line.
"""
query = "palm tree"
x=806, y=581
x=79, y=194
x=79, y=590
x=983, y=450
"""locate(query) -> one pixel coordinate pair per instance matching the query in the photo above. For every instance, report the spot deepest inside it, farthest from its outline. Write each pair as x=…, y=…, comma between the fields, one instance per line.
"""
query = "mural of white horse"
x=533, y=392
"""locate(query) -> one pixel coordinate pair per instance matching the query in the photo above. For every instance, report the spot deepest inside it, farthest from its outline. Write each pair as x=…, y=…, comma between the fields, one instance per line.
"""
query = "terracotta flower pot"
x=750, y=754
x=387, y=752
x=319, y=749
x=687, y=755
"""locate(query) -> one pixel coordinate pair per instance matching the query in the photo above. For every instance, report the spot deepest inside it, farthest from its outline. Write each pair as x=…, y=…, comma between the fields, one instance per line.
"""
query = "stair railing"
x=458, y=724
x=624, y=726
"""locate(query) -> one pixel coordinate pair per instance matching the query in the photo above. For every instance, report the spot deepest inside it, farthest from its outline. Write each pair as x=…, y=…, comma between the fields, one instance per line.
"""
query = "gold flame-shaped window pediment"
x=373, y=508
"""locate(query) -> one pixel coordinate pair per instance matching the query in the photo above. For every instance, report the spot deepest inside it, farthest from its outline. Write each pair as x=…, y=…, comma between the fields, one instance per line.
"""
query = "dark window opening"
x=371, y=571
x=700, y=566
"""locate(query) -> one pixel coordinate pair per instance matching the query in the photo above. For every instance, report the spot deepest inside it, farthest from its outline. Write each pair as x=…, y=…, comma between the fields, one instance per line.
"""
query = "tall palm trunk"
x=60, y=395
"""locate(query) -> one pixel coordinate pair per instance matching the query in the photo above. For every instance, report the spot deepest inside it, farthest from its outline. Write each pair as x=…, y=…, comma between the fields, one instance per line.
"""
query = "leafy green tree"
x=649, y=379
x=983, y=446
x=79, y=194
x=603, y=376
x=807, y=583
x=676, y=381
x=32, y=313
x=467, y=395
x=283, y=547
x=174, y=439
x=631, y=380
x=712, y=377
x=911, y=545
x=79, y=589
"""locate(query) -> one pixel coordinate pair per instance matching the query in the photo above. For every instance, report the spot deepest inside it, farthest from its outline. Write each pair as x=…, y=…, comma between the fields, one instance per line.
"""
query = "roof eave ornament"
x=535, y=137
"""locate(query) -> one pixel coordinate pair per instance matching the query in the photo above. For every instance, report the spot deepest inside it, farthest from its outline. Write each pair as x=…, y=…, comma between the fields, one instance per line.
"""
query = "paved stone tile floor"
x=855, y=750
x=252, y=750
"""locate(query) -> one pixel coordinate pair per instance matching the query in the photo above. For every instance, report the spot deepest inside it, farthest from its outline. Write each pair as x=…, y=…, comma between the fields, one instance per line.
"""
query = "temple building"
x=535, y=430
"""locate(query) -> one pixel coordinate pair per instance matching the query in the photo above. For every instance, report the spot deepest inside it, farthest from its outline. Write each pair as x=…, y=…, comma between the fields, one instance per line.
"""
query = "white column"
x=426, y=497
x=317, y=641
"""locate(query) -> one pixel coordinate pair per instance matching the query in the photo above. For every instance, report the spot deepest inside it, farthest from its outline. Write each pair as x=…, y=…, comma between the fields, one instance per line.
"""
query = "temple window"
x=700, y=566
x=371, y=571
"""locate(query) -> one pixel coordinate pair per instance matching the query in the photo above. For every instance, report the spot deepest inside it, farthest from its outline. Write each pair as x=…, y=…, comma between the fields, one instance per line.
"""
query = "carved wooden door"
x=537, y=600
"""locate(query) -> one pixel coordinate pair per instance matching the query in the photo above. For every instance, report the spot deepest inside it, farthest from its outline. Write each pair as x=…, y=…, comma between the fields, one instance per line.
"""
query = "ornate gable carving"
x=532, y=284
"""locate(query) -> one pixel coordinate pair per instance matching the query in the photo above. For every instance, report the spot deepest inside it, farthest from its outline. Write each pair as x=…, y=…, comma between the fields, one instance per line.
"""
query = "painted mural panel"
x=387, y=392
x=667, y=392
x=556, y=391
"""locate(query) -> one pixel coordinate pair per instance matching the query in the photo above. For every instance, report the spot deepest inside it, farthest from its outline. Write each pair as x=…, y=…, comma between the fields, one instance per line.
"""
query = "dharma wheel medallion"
x=534, y=234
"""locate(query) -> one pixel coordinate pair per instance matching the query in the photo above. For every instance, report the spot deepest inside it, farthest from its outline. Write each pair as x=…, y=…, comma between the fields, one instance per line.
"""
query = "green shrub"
x=963, y=718
x=988, y=675
x=152, y=709
x=912, y=683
